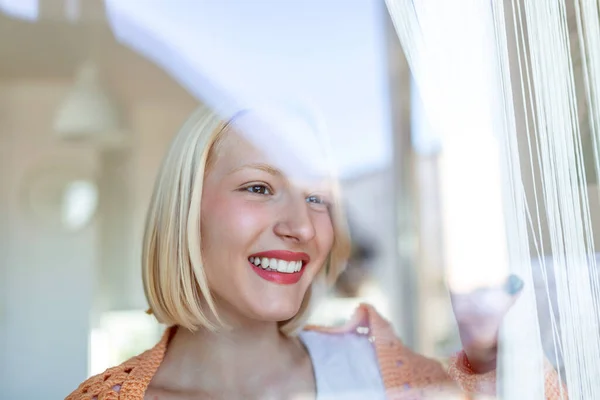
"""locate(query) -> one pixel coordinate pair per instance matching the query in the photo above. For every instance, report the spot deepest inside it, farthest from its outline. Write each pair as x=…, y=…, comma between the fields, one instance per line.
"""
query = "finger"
x=514, y=287
x=486, y=305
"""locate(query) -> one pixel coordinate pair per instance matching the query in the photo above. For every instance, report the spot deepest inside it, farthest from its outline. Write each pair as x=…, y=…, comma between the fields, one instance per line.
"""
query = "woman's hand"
x=479, y=315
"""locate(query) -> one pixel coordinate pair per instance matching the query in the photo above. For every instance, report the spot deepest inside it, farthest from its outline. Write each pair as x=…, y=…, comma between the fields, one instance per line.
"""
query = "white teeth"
x=282, y=266
x=276, y=264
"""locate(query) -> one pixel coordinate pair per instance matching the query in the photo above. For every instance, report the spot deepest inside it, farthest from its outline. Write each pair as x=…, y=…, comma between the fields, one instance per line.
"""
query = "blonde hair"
x=172, y=270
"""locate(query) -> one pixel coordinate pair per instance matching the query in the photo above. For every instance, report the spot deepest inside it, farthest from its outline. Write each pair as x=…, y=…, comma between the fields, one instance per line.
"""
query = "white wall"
x=127, y=182
x=47, y=278
x=5, y=161
x=54, y=285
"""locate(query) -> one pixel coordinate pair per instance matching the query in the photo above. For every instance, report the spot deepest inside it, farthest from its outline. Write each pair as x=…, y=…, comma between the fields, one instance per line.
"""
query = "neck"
x=253, y=340
x=243, y=334
x=208, y=362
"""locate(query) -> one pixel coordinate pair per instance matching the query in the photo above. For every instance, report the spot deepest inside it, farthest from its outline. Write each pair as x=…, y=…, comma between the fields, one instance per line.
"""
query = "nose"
x=294, y=223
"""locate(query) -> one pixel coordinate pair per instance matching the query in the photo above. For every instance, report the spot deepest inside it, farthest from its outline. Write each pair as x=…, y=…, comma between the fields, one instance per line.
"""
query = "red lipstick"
x=284, y=255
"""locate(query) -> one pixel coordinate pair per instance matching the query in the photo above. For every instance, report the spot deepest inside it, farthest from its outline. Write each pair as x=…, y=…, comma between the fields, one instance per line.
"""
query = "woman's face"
x=265, y=225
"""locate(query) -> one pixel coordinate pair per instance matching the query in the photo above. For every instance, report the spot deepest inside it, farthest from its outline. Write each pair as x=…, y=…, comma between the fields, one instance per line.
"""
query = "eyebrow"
x=259, y=166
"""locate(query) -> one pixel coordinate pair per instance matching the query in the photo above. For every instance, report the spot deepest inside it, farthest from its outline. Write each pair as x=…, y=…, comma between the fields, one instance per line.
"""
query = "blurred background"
x=91, y=92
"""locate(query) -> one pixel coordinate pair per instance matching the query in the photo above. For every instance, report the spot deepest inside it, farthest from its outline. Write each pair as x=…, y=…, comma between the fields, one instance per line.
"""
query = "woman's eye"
x=315, y=200
x=259, y=189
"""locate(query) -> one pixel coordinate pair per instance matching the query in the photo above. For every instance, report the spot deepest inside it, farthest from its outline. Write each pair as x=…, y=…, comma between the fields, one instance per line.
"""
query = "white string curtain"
x=513, y=88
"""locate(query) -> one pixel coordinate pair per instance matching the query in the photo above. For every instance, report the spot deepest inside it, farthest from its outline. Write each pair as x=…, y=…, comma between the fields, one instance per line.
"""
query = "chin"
x=277, y=312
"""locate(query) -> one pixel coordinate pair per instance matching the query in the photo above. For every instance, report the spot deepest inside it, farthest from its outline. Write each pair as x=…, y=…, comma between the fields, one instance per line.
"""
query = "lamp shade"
x=88, y=113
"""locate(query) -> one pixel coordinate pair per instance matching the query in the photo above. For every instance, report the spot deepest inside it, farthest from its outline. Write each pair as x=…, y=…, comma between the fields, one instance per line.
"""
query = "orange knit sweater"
x=406, y=375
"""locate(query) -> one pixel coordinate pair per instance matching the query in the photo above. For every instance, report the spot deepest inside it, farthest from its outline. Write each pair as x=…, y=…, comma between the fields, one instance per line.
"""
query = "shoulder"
x=365, y=321
x=106, y=385
x=400, y=367
x=360, y=319
x=128, y=380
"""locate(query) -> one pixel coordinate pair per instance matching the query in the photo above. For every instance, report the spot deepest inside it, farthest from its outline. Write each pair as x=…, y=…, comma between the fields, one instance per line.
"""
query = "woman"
x=242, y=235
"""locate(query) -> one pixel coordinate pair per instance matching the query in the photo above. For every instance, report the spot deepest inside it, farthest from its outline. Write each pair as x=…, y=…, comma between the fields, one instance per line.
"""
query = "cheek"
x=325, y=234
x=230, y=221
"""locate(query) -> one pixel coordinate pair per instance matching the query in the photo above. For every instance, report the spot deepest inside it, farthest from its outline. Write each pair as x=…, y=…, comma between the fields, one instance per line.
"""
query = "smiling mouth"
x=277, y=265
x=281, y=267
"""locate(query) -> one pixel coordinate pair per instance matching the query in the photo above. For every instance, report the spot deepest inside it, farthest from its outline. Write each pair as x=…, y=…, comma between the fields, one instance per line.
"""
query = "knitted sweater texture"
x=406, y=375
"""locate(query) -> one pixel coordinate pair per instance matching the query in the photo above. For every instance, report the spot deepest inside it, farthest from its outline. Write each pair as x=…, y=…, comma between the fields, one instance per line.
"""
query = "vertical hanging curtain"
x=513, y=89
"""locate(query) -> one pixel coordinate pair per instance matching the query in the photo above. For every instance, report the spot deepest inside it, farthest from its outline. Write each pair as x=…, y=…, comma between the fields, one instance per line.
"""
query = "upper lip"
x=285, y=255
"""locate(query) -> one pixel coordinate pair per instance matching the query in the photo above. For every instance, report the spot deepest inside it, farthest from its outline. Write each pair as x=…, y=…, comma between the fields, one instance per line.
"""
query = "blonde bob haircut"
x=173, y=275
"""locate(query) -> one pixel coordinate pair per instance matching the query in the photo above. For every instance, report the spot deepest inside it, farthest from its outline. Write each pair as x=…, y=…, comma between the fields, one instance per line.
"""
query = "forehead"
x=288, y=144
